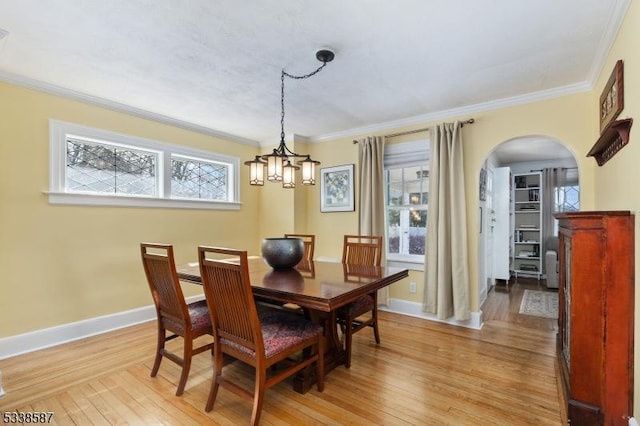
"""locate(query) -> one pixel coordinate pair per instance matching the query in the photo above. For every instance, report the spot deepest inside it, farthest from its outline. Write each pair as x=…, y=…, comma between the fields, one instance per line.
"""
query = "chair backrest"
x=309, y=243
x=160, y=269
x=227, y=287
x=362, y=250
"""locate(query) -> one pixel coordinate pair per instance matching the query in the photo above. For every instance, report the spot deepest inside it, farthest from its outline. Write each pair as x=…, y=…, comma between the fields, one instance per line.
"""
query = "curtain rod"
x=426, y=129
x=557, y=168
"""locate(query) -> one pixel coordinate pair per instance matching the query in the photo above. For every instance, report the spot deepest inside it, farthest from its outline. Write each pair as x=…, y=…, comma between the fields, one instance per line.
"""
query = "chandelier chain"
x=295, y=77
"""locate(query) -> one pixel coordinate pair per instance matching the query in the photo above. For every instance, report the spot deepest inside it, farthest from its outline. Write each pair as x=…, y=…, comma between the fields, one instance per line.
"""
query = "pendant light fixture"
x=278, y=163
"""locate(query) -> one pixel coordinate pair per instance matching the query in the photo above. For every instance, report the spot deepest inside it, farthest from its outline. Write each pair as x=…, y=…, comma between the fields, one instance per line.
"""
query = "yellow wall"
x=615, y=181
x=568, y=119
x=62, y=264
x=84, y=284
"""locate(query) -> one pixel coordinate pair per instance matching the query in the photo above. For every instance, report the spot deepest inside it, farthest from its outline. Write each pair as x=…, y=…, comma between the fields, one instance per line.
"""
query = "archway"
x=497, y=235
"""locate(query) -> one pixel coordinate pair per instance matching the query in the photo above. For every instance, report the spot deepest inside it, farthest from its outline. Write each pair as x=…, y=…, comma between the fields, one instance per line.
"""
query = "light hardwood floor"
x=423, y=373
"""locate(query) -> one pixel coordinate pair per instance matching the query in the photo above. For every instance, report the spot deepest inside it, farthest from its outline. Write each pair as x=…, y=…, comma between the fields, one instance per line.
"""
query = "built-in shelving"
x=526, y=257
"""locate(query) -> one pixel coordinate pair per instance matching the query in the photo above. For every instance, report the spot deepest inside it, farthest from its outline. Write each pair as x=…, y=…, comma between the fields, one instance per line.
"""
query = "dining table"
x=320, y=288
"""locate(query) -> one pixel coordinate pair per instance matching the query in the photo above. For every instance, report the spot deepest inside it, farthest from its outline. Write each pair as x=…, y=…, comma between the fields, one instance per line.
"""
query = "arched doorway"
x=496, y=239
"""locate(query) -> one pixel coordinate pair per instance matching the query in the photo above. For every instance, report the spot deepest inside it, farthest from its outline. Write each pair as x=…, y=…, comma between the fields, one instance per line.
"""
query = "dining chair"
x=174, y=315
x=360, y=250
x=259, y=338
x=309, y=241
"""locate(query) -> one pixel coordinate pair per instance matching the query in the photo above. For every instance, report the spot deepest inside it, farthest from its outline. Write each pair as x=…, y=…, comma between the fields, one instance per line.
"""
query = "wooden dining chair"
x=174, y=315
x=258, y=338
x=360, y=250
x=309, y=241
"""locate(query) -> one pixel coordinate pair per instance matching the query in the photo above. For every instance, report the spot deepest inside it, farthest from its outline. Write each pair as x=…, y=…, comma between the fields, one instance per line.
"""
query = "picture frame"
x=337, y=189
x=612, y=97
x=483, y=184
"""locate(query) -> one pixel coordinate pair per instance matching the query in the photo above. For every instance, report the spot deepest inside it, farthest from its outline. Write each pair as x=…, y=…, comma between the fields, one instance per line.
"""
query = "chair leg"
x=258, y=395
x=376, y=333
x=186, y=364
x=215, y=384
x=159, y=349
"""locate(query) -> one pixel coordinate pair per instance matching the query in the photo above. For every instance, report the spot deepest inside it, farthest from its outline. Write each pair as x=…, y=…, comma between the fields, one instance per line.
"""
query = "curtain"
x=371, y=196
x=446, y=266
x=552, y=202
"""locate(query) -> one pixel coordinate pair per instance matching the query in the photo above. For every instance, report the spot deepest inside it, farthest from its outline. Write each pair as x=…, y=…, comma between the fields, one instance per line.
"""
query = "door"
x=501, y=225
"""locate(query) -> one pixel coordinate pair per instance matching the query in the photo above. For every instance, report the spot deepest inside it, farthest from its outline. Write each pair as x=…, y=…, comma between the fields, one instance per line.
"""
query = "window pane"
x=417, y=231
x=567, y=199
x=394, y=198
x=413, y=173
x=394, y=231
x=109, y=169
x=394, y=175
x=198, y=179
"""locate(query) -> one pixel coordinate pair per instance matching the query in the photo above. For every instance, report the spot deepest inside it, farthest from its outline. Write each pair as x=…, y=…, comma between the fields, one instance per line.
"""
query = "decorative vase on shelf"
x=282, y=253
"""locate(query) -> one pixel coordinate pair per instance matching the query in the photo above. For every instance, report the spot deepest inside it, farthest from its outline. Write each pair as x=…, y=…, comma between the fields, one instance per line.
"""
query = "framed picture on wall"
x=336, y=189
x=612, y=97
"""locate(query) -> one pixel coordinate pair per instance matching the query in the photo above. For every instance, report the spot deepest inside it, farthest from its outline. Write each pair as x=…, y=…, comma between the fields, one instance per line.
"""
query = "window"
x=97, y=167
x=194, y=178
x=406, y=199
x=567, y=198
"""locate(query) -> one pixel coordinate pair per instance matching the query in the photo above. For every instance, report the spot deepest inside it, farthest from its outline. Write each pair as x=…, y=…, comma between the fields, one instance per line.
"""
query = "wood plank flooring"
x=423, y=373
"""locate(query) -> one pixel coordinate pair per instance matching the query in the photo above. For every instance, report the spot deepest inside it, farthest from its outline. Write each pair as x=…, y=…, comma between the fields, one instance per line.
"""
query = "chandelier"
x=278, y=163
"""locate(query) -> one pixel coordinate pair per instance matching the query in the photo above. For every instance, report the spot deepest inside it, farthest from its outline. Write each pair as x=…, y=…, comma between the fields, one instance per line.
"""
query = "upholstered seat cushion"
x=199, y=313
x=360, y=306
x=280, y=330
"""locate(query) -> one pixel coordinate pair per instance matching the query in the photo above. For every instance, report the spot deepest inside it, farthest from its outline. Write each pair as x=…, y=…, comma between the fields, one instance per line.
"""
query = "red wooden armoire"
x=596, y=310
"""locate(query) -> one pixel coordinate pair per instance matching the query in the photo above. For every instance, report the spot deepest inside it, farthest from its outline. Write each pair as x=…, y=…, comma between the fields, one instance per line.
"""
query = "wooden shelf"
x=612, y=140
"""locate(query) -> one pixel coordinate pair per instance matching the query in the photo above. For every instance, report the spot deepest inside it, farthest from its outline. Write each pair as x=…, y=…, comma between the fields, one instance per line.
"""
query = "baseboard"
x=45, y=338
x=414, y=309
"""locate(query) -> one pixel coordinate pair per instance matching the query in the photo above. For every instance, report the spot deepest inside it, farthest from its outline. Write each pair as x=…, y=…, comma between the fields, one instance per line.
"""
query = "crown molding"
x=374, y=128
x=614, y=24
x=456, y=112
x=119, y=107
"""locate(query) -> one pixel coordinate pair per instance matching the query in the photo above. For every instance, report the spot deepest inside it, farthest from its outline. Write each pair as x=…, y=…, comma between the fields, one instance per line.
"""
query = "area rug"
x=540, y=303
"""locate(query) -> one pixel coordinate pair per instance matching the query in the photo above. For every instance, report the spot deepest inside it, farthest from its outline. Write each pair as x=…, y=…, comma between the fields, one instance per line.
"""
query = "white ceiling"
x=216, y=65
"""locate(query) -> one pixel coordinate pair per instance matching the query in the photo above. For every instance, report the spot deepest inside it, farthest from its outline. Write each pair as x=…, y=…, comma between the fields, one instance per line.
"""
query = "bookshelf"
x=527, y=225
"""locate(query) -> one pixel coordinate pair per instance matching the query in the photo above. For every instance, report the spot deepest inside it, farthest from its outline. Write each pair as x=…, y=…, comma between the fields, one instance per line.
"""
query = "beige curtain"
x=371, y=196
x=552, y=178
x=447, y=275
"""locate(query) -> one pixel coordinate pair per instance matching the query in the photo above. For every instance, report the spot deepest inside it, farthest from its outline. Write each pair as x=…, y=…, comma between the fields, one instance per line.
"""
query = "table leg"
x=334, y=354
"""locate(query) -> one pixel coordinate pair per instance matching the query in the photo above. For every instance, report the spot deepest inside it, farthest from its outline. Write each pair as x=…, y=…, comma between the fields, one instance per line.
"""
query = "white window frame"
x=401, y=155
x=60, y=131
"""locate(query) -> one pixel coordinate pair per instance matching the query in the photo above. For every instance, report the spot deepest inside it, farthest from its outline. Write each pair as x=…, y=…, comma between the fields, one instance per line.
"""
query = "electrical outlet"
x=412, y=288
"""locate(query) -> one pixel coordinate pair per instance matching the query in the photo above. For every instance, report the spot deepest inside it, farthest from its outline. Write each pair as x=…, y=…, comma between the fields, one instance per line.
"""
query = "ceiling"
x=215, y=65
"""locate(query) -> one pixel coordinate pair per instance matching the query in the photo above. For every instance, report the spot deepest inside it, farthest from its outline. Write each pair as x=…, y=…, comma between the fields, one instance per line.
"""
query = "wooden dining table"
x=319, y=287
